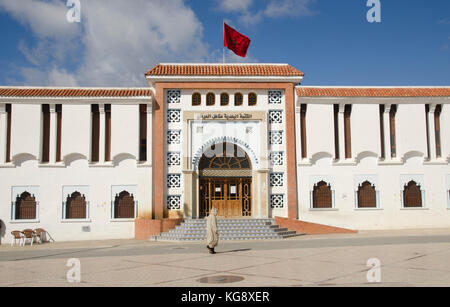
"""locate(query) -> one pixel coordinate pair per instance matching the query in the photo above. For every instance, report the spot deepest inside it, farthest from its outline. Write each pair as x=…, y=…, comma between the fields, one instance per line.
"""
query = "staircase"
x=229, y=230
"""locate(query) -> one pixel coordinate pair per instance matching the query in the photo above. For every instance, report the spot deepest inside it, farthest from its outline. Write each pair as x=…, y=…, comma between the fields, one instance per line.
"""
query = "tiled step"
x=226, y=230
x=229, y=230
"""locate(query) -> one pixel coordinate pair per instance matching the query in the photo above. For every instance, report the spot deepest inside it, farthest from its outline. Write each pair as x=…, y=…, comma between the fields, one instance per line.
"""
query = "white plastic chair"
x=17, y=235
x=28, y=234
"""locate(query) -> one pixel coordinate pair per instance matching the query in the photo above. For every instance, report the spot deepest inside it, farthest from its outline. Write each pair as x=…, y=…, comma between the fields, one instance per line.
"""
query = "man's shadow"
x=235, y=251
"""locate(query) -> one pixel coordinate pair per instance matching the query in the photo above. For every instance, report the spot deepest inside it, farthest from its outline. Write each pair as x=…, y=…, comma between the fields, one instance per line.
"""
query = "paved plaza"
x=406, y=258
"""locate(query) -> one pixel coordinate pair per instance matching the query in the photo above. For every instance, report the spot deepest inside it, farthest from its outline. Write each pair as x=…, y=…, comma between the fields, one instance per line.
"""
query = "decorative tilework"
x=173, y=137
x=277, y=201
x=275, y=117
x=174, y=202
x=276, y=179
x=174, y=180
x=174, y=116
x=276, y=158
x=173, y=159
x=173, y=96
x=275, y=97
x=275, y=137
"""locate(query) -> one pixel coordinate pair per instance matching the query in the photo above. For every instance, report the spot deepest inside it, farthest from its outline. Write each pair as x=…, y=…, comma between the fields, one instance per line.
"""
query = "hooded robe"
x=212, y=234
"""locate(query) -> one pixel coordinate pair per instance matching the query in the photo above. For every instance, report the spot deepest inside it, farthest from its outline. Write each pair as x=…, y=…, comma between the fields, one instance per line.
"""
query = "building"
x=103, y=163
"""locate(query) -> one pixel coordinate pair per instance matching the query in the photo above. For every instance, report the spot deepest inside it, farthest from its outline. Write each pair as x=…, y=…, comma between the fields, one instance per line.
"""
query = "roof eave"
x=282, y=79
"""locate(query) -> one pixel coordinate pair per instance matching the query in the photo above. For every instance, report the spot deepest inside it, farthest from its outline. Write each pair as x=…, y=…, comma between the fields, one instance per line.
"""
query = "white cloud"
x=47, y=19
x=54, y=77
x=275, y=9
x=114, y=45
x=234, y=5
x=282, y=8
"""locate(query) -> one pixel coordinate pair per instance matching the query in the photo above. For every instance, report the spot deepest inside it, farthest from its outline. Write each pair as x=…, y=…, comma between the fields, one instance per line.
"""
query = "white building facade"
x=89, y=163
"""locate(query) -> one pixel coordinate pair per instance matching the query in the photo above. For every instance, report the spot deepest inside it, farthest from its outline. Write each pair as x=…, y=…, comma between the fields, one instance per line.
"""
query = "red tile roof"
x=73, y=92
x=264, y=70
x=373, y=92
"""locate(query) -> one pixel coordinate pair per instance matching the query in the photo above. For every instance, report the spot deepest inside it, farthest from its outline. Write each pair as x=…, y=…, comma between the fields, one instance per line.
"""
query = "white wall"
x=319, y=130
x=52, y=181
x=387, y=177
x=26, y=130
x=365, y=130
x=390, y=215
x=76, y=130
x=411, y=129
x=125, y=130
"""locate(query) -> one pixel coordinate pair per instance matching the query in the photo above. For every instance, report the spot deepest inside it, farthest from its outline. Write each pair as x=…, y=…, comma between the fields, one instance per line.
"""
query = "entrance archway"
x=225, y=173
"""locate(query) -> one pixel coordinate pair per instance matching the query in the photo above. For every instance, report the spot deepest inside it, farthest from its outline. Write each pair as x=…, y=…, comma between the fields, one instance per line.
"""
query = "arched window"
x=210, y=99
x=75, y=206
x=196, y=99
x=225, y=156
x=238, y=99
x=367, y=195
x=322, y=195
x=224, y=99
x=124, y=206
x=252, y=99
x=25, y=207
x=412, y=195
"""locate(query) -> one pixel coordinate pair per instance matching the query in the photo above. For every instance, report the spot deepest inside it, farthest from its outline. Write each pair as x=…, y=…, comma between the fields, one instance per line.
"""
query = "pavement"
x=373, y=258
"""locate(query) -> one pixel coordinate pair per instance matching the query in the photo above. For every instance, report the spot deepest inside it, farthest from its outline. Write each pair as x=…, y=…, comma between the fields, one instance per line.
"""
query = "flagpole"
x=223, y=47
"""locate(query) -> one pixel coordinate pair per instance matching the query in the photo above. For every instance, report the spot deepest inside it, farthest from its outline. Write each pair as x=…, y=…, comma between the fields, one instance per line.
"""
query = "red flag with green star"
x=235, y=41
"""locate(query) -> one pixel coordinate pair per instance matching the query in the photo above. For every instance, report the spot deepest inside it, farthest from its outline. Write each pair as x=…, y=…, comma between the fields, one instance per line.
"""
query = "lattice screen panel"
x=276, y=179
x=173, y=96
x=277, y=201
x=275, y=117
x=275, y=97
x=174, y=202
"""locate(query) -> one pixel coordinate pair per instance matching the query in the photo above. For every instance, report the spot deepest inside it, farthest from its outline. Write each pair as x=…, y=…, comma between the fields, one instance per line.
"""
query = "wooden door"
x=230, y=196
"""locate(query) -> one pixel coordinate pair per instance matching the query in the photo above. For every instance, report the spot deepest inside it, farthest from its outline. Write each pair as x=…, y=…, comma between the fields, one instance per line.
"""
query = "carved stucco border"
x=192, y=164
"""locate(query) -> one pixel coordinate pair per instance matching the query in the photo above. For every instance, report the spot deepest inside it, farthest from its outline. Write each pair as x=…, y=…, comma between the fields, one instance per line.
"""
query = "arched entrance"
x=225, y=172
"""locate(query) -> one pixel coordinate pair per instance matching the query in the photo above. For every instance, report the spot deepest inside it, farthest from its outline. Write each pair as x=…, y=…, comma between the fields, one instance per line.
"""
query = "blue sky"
x=331, y=41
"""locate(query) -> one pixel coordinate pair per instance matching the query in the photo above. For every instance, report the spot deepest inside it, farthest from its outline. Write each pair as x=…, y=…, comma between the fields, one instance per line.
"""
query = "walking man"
x=212, y=234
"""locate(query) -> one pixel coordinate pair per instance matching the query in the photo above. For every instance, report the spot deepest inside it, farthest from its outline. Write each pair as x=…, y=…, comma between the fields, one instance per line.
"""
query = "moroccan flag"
x=235, y=41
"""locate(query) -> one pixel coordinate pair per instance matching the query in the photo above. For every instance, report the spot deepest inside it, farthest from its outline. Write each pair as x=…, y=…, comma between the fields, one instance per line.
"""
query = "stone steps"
x=229, y=230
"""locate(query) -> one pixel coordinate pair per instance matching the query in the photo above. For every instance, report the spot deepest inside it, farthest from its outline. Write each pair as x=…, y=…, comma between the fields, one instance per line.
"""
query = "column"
x=146, y=185
x=341, y=128
x=432, y=132
x=149, y=133
x=262, y=180
x=387, y=132
x=158, y=158
x=3, y=133
x=101, y=150
x=190, y=190
x=53, y=134
x=298, y=133
x=291, y=159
